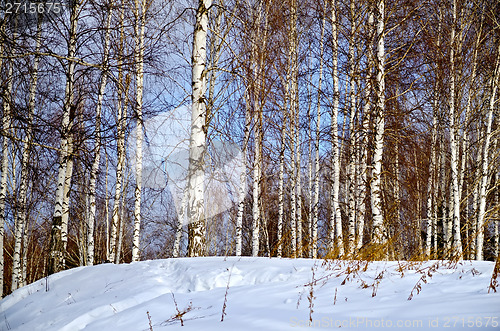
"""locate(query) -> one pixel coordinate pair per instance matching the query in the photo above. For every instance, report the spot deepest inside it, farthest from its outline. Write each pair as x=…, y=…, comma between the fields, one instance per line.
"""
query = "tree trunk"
x=465, y=137
x=294, y=103
x=97, y=148
x=140, y=22
x=336, y=238
x=281, y=180
x=121, y=114
x=197, y=143
x=258, y=106
x=316, y=145
x=310, y=179
x=6, y=123
x=366, y=118
x=243, y=181
x=121, y=229
x=432, y=187
x=496, y=234
x=58, y=236
x=299, y=184
x=483, y=179
x=455, y=198
x=257, y=173
x=351, y=145
x=292, y=79
x=431, y=183
x=444, y=188
x=21, y=221
x=378, y=232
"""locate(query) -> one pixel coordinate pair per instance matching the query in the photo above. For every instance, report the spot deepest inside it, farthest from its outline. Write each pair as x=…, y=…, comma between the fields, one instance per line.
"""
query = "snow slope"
x=263, y=294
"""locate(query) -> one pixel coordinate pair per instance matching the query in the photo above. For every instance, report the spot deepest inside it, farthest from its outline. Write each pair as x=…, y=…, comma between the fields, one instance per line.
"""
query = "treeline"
x=366, y=129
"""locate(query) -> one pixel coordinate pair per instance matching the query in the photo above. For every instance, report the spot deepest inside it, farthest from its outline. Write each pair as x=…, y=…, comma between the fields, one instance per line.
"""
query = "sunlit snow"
x=262, y=294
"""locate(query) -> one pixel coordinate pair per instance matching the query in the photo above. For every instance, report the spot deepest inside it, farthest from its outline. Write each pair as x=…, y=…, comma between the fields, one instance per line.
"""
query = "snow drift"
x=260, y=294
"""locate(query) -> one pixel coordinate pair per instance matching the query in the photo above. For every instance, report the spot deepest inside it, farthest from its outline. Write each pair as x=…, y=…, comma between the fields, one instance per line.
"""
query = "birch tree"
x=121, y=114
x=483, y=179
x=197, y=143
x=363, y=151
x=378, y=233
x=281, y=175
x=6, y=123
x=295, y=144
x=455, y=198
x=257, y=76
x=139, y=26
x=351, y=163
x=431, y=188
x=243, y=182
x=315, y=204
x=58, y=236
x=21, y=221
x=97, y=133
x=310, y=179
x=465, y=143
x=336, y=238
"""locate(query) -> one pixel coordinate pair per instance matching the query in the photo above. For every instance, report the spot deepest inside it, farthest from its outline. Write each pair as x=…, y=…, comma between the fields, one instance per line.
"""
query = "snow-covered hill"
x=263, y=294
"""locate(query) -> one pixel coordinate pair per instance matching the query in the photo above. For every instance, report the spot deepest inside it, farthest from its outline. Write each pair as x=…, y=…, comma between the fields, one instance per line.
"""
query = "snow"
x=263, y=294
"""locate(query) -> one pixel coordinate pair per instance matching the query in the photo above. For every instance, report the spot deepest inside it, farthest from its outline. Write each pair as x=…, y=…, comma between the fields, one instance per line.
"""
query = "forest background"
x=362, y=130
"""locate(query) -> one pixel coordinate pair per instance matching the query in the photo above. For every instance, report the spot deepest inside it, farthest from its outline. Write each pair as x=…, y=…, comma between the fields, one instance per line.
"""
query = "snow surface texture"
x=263, y=294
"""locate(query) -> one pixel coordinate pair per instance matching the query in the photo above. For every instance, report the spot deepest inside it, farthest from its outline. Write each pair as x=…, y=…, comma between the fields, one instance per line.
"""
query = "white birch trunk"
x=257, y=85
x=465, y=138
x=292, y=79
x=21, y=221
x=106, y=206
x=121, y=230
x=197, y=143
x=358, y=156
x=397, y=188
x=256, y=183
x=363, y=180
x=351, y=162
x=444, y=189
x=243, y=181
x=6, y=125
x=97, y=148
x=449, y=220
x=364, y=141
x=496, y=234
x=26, y=237
x=496, y=237
x=299, y=186
x=431, y=181
x=121, y=114
x=475, y=197
x=317, y=136
x=281, y=180
x=140, y=22
x=310, y=178
x=296, y=111
x=378, y=233
x=336, y=238
x=484, y=166
x=455, y=198
x=293, y=201
x=66, y=194
x=6, y=120
x=61, y=210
